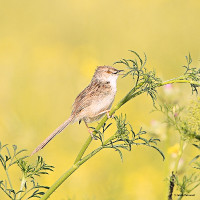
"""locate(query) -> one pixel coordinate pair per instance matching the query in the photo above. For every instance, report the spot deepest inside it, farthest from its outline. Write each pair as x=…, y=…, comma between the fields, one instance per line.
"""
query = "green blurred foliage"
x=48, y=53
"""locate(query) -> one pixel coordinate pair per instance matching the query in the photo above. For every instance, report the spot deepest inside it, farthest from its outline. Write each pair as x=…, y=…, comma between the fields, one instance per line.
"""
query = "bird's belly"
x=95, y=110
x=104, y=104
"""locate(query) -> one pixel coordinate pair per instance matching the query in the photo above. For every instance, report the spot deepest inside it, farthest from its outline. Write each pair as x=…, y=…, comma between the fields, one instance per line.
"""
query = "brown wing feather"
x=93, y=90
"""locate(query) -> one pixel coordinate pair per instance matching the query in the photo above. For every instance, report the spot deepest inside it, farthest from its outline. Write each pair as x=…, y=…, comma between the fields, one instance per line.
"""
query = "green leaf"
x=120, y=153
x=189, y=59
x=8, y=151
x=126, y=62
x=21, y=151
x=14, y=148
x=161, y=153
x=118, y=62
x=141, y=62
x=2, y=161
x=194, y=159
x=197, y=146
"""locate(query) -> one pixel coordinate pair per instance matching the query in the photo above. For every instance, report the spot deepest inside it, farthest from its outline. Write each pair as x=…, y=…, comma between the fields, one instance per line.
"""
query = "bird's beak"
x=118, y=71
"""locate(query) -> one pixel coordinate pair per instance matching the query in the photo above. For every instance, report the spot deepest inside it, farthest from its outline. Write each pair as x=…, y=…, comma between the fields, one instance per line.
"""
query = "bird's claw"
x=91, y=134
x=107, y=113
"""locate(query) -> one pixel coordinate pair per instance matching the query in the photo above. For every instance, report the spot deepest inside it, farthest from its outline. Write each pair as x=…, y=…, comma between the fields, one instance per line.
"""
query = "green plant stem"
x=6, y=193
x=26, y=192
x=68, y=173
x=9, y=179
x=22, y=186
x=79, y=160
x=172, y=81
x=105, y=118
x=74, y=168
x=129, y=96
x=109, y=139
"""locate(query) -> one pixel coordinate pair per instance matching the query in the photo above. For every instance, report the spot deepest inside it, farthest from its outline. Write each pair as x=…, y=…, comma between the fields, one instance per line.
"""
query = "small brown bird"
x=93, y=102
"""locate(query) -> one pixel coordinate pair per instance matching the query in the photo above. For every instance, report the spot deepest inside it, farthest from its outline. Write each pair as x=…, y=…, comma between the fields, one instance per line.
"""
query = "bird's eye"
x=109, y=72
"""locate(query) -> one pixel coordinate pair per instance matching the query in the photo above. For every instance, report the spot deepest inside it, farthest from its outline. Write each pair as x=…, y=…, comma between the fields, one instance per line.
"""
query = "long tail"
x=50, y=137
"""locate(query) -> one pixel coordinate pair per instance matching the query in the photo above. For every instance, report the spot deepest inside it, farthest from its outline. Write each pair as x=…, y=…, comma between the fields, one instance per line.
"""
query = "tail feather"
x=50, y=137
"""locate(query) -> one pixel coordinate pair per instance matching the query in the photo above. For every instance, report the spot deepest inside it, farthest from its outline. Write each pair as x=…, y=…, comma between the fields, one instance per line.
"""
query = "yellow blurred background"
x=48, y=53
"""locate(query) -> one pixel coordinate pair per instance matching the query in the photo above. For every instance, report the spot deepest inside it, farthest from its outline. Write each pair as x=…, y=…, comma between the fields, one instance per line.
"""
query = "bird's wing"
x=93, y=91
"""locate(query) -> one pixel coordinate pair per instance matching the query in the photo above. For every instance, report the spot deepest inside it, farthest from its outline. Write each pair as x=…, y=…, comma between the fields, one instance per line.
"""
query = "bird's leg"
x=91, y=132
x=107, y=113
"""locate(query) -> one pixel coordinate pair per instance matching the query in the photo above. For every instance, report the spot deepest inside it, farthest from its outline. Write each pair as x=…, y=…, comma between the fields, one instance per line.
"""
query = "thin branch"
x=23, y=182
x=68, y=173
x=79, y=160
x=9, y=179
x=6, y=192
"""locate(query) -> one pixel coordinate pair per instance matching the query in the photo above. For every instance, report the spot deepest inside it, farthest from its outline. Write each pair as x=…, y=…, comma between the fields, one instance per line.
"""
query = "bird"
x=92, y=103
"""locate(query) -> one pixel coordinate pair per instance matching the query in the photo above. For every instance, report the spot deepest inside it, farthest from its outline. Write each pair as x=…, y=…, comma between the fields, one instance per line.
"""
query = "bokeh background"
x=48, y=53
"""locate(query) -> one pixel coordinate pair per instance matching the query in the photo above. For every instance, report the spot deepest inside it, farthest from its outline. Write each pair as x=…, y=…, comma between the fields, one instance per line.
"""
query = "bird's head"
x=106, y=73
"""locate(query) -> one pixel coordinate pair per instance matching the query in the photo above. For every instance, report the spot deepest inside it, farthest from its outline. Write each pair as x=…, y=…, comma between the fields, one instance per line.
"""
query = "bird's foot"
x=107, y=113
x=91, y=133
